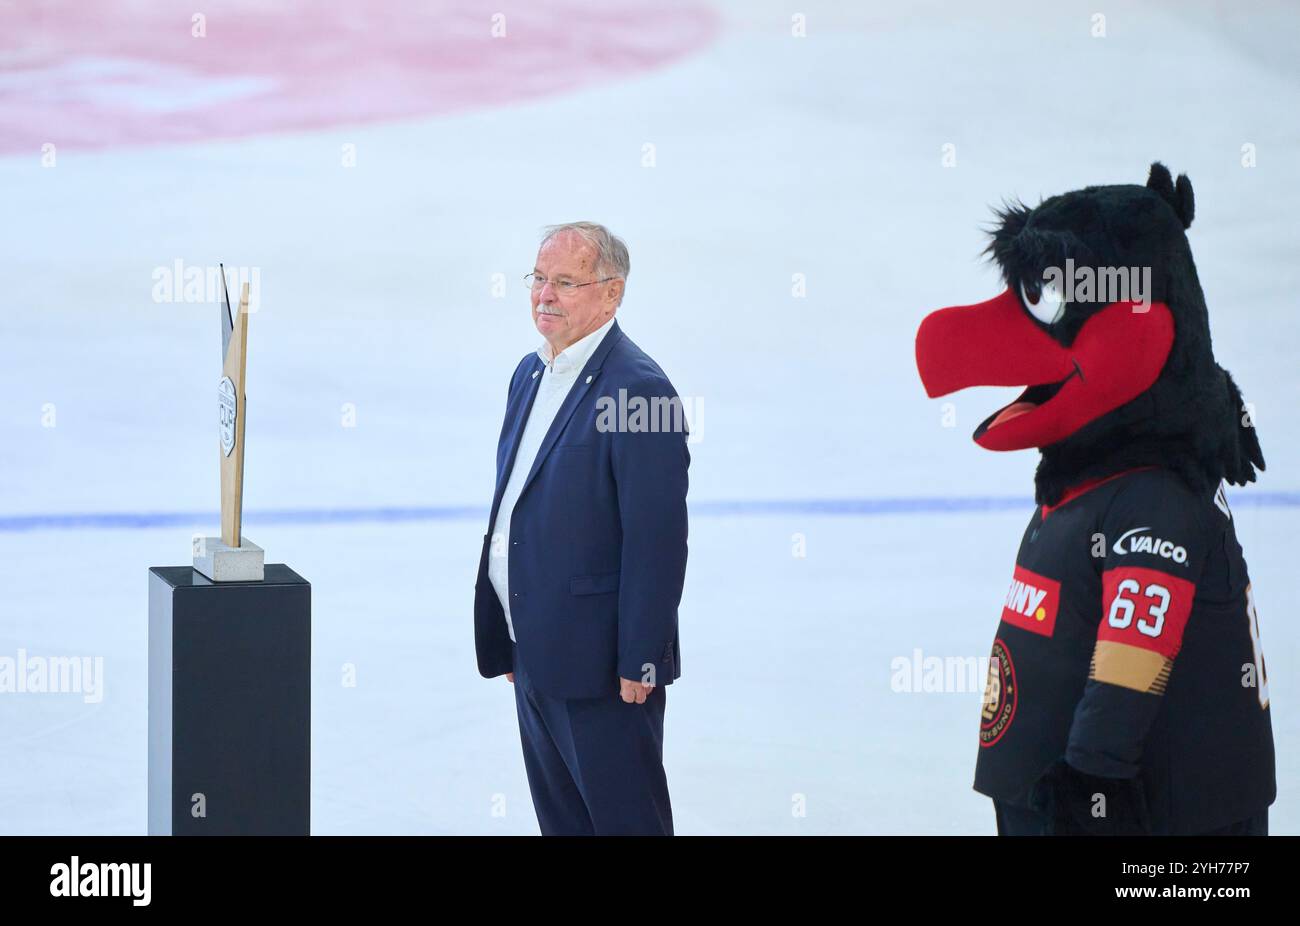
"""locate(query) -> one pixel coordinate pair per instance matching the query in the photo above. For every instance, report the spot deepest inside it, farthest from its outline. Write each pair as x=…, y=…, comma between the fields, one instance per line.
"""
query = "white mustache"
x=543, y=310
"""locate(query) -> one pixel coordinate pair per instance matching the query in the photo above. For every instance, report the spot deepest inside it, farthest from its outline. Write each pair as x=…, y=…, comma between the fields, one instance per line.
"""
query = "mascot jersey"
x=1135, y=653
x=1129, y=646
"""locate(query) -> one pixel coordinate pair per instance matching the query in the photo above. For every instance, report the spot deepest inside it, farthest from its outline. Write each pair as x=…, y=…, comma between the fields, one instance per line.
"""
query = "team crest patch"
x=1000, y=694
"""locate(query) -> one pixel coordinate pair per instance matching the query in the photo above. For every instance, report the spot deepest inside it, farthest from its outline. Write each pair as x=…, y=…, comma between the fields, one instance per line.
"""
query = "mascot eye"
x=1043, y=300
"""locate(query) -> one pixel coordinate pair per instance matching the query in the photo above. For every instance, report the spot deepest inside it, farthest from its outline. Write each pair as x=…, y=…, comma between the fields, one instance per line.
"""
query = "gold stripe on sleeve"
x=1130, y=667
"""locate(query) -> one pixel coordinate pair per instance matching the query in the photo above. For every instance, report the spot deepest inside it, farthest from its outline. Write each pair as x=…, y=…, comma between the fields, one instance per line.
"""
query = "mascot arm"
x=1155, y=549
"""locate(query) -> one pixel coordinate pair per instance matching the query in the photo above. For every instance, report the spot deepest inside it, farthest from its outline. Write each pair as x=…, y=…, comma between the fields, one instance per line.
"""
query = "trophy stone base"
x=222, y=563
x=229, y=704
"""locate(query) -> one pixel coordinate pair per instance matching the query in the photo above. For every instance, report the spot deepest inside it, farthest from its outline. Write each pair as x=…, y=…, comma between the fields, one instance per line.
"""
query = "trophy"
x=229, y=661
x=230, y=558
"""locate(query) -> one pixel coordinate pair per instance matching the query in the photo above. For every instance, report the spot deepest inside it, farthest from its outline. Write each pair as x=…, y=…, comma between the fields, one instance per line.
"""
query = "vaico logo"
x=1032, y=602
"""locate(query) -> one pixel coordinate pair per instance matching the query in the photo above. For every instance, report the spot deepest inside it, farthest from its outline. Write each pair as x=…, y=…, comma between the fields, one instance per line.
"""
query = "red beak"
x=1117, y=355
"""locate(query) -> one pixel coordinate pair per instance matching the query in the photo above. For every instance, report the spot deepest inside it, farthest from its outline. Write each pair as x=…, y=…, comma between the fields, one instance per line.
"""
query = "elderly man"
x=581, y=572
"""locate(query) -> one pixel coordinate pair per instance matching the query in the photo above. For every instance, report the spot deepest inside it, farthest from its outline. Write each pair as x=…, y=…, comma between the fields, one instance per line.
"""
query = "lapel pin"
x=589, y=379
x=535, y=372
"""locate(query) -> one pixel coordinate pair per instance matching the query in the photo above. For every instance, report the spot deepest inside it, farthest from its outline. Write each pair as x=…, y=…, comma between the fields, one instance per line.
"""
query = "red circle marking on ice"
x=116, y=72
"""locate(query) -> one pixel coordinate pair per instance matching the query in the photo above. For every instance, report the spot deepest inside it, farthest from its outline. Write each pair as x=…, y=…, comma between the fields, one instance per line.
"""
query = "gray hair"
x=611, y=253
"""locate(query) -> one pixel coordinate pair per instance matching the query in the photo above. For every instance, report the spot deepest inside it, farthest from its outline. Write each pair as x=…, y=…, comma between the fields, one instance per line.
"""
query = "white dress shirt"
x=558, y=377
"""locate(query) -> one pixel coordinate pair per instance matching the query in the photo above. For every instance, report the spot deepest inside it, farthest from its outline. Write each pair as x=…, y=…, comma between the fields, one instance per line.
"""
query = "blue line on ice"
x=843, y=507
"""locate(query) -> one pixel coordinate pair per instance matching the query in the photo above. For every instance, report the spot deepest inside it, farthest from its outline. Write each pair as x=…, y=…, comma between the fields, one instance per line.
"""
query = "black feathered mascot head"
x=1104, y=321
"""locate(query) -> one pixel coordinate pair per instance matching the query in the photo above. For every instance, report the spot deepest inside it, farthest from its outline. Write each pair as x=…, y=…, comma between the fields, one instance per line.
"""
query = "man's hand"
x=510, y=677
x=631, y=691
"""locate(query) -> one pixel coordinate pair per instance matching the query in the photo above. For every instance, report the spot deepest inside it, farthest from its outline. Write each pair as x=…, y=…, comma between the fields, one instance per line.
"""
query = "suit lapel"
x=523, y=403
x=586, y=377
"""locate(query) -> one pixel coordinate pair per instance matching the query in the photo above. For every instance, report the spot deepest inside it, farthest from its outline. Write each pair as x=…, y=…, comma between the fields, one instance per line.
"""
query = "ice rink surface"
x=731, y=156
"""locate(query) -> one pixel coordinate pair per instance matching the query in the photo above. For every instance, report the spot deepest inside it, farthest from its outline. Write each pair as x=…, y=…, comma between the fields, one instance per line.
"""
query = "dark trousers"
x=595, y=765
x=1022, y=821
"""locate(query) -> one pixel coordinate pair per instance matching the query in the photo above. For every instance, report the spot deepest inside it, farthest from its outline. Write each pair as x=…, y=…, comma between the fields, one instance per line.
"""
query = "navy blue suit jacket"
x=597, y=541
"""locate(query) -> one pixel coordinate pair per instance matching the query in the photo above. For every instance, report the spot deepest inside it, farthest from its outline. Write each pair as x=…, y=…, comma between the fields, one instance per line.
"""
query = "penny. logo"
x=1032, y=602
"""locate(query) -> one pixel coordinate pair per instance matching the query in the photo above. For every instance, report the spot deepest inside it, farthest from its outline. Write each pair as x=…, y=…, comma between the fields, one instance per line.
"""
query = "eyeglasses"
x=537, y=282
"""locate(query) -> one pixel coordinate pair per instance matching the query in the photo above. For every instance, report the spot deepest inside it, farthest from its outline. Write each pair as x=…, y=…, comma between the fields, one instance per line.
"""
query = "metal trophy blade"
x=230, y=557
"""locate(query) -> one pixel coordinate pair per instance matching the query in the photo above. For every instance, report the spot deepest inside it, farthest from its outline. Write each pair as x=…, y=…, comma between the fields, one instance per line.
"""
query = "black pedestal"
x=229, y=704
